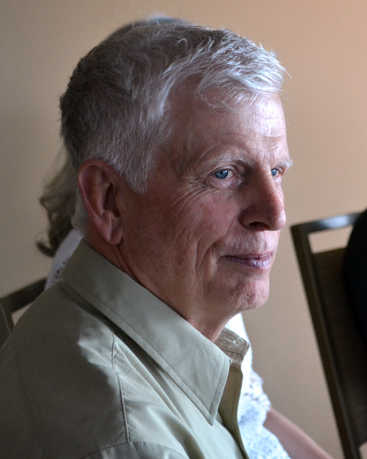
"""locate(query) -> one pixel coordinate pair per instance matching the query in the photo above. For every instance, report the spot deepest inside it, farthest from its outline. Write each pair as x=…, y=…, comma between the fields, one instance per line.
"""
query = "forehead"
x=250, y=129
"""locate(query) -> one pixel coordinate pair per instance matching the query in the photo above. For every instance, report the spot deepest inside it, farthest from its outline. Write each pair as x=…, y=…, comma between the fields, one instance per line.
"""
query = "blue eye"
x=275, y=172
x=222, y=174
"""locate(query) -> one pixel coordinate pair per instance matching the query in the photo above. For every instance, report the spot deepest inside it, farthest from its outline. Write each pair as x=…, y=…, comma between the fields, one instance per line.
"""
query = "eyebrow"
x=204, y=157
x=287, y=163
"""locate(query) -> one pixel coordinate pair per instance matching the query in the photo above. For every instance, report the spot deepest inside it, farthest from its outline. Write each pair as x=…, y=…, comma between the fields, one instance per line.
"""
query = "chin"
x=253, y=296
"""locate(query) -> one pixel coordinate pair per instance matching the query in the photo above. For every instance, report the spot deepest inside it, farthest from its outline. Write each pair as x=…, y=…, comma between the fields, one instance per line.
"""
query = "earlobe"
x=99, y=186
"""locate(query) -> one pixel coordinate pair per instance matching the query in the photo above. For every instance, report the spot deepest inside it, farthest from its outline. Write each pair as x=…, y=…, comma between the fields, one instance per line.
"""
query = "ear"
x=99, y=186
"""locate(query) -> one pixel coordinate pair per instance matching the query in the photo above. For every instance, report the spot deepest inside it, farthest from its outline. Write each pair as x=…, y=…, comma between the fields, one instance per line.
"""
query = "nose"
x=264, y=209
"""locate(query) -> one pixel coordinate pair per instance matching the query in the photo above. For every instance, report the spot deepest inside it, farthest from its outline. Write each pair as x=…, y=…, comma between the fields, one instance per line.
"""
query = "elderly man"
x=178, y=135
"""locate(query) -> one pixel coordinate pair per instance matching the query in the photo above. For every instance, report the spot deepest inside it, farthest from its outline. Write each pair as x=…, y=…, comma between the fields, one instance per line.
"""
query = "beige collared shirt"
x=101, y=368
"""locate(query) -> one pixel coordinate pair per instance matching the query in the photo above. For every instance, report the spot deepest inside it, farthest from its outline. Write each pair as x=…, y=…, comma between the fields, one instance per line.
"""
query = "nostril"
x=258, y=226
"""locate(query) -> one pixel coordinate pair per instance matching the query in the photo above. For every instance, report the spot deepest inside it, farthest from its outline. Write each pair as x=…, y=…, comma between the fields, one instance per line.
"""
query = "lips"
x=258, y=261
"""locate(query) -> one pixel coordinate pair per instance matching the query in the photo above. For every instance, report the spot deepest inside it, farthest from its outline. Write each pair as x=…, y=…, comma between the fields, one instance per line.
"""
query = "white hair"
x=117, y=104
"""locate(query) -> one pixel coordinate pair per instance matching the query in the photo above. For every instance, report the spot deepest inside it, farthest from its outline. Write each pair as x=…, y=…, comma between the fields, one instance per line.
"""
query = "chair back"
x=342, y=349
x=14, y=301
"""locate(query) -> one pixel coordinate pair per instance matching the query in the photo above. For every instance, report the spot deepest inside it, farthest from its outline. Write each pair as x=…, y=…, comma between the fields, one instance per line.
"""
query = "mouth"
x=257, y=261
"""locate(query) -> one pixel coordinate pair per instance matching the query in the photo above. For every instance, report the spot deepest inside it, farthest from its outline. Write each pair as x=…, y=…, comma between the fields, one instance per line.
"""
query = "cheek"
x=275, y=235
x=182, y=231
x=219, y=218
x=210, y=217
x=185, y=232
x=200, y=231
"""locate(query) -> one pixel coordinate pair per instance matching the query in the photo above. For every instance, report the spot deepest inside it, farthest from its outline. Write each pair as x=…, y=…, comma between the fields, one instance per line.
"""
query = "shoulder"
x=64, y=384
x=355, y=257
x=355, y=271
x=80, y=387
x=358, y=239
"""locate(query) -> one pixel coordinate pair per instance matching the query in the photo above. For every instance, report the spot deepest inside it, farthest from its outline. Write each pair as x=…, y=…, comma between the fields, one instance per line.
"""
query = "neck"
x=211, y=328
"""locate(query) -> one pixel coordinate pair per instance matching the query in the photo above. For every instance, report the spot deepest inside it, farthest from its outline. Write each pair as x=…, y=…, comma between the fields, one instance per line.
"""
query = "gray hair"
x=117, y=104
x=58, y=200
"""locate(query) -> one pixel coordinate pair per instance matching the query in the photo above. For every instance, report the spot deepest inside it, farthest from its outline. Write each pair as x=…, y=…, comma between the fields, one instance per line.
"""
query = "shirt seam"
x=121, y=392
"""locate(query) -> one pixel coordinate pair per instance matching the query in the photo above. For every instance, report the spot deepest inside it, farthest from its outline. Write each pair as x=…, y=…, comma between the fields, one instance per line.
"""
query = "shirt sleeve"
x=137, y=450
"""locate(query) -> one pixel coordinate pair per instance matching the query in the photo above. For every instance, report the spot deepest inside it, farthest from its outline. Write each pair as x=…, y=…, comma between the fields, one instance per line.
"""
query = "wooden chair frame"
x=350, y=437
x=12, y=302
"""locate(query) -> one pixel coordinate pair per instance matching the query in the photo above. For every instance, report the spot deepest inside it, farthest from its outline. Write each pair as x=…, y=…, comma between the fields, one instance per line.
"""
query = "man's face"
x=204, y=236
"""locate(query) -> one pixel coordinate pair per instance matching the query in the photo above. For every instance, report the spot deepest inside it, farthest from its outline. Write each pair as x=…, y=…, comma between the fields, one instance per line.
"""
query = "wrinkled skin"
x=204, y=236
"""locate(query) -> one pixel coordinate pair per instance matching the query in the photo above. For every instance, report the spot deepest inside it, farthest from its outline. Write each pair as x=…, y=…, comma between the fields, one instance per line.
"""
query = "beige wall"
x=322, y=44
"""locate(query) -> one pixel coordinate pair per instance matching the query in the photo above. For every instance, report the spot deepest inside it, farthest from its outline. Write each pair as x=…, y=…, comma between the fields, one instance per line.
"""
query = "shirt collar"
x=197, y=365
